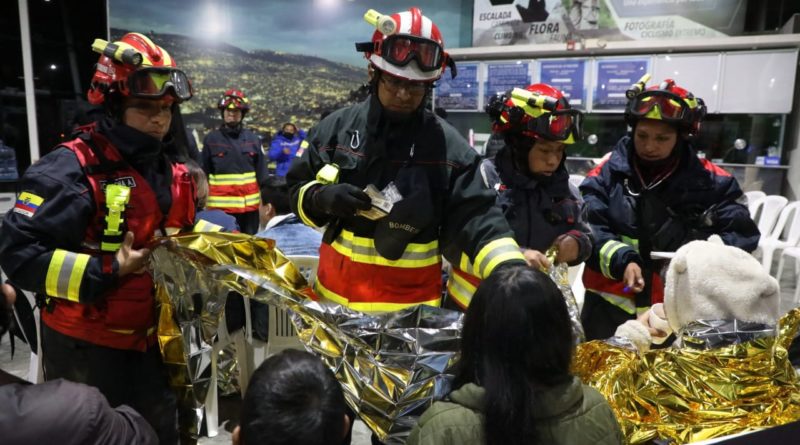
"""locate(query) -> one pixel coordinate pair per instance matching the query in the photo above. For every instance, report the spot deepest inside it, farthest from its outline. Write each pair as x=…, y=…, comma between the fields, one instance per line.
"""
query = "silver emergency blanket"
x=559, y=273
x=391, y=366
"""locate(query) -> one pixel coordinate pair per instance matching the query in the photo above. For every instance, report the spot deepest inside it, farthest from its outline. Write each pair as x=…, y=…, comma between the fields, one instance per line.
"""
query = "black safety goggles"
x=155, y=82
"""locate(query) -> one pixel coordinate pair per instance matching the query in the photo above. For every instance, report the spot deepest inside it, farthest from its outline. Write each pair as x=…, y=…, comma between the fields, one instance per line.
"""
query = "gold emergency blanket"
x=391, y=366
x=688, y=394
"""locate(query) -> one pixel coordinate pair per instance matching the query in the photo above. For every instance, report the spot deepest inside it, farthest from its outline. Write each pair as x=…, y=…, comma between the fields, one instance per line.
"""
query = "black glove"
x=342, y=200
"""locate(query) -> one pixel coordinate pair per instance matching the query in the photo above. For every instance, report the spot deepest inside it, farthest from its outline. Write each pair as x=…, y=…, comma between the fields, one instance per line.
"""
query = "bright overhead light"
x=52, y=65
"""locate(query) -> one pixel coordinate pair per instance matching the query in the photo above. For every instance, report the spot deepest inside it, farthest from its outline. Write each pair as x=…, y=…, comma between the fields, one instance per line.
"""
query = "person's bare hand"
x=633, y=278
x=568, y=249
x=644, y=318
x=131, y=260
x=536, y=259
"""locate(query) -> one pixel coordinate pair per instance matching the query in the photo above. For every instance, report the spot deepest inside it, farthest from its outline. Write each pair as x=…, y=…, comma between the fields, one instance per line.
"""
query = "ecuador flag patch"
x=27, y=204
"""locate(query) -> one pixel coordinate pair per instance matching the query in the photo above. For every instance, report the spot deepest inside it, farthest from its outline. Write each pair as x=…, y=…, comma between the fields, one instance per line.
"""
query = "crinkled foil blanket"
x=701, y=390
x=391, y=366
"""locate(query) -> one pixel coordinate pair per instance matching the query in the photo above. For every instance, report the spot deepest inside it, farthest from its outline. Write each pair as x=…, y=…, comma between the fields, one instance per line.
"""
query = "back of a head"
x=275, y=191
x=516, y=340
x=293, y=398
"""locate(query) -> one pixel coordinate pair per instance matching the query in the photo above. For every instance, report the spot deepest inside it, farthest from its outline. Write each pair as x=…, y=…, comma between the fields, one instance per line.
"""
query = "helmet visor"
x=558, y=125
x=400, y=50
x=671, y=107
x=155, y=82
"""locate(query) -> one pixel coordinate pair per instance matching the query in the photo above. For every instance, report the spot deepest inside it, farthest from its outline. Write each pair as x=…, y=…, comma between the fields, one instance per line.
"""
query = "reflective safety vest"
x=233, y=192
x=124, y=318
x=352, y=273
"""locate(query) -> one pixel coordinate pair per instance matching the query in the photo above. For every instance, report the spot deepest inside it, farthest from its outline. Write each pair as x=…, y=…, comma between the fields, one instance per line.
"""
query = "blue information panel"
x=460, y=93
x=502, y=77
x=567, y=76
x=614, y=77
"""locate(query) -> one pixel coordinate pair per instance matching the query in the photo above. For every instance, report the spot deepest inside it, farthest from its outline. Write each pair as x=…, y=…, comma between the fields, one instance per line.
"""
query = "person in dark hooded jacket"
x=653, y=194
x=531, y=179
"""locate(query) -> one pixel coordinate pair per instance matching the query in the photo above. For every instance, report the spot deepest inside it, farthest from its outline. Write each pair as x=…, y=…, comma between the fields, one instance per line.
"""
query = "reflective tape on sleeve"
x=65, y=274
x=607, y=255
x=495, y=253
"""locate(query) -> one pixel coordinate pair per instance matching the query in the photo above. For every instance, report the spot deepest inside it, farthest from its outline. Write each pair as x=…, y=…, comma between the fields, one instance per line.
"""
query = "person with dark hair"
x=278, y=222
x=293, y=398
x=513, y=382
x=79, y=232
x=531, y=179
x=372, y=259
x=235, y=165
x=284, y=146
x=60, y=411
x=653, y=194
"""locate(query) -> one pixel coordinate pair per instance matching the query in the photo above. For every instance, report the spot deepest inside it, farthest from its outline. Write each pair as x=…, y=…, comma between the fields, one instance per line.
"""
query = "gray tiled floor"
x=361, y=435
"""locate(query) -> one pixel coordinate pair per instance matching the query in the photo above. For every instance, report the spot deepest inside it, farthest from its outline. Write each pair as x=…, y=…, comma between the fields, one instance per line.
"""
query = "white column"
x=27, y=72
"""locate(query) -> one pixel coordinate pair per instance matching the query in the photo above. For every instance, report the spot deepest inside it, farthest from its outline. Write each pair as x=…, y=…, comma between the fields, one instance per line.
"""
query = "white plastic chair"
x=766, y=211
x=793, y=252
x=576, y=180
x=224, y=338
x=788, y=223
x=282, y=334
x=752, y=197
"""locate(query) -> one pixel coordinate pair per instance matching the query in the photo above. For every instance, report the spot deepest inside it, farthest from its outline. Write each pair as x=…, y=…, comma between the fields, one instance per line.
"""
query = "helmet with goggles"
x=407, y=45
x=665, y=102
x=134, y=66
x=537, y=111
x=234, y=100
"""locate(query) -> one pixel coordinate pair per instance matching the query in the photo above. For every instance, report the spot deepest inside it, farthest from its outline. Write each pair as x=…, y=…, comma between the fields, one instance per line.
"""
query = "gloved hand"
x=342, y=200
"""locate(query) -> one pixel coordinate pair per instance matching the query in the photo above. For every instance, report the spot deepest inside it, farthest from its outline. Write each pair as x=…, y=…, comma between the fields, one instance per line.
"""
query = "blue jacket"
x=538, y=210
x=293, y=237
x=699, y=199
x=282, y=150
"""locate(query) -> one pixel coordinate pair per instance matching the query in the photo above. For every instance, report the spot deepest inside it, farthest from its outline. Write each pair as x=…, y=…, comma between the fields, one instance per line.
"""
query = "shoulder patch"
x=27, y=204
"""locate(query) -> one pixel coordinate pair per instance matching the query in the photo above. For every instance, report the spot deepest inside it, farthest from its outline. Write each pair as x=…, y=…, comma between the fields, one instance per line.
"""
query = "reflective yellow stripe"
x=229, y=202
x=369, y=307
x=65, y=274
x=150, y=331
x=624, y=303
x=494, y=253
x=205, y=226
x=460, y=289
x=362, y=250
x=232, y=179
x=300, y=211
x=631, y=242
x=607, y=254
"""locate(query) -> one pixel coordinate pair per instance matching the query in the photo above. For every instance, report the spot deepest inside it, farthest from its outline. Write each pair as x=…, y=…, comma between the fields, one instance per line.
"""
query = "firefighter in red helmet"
x=531, y=179
x=78, y=233
x=235, y=165
x=373, y=263
x=653, y=194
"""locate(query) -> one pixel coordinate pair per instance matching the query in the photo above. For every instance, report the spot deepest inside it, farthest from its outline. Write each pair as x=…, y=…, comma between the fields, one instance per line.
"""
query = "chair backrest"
x=576, y=180
x=788, y=226
x=767, y=211
x=752, y=197
x=307, y=265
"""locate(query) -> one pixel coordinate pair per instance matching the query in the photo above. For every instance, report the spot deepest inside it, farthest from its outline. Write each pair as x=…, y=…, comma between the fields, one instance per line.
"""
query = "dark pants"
x=124, y=377
x=248, y=222
x=601, y=318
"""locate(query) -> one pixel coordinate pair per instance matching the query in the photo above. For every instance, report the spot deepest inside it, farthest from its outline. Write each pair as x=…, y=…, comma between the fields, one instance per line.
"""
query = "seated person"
x=513, y=383
x=60, y=411
x=278, y=222
x=728, y=370
x=293, y=398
